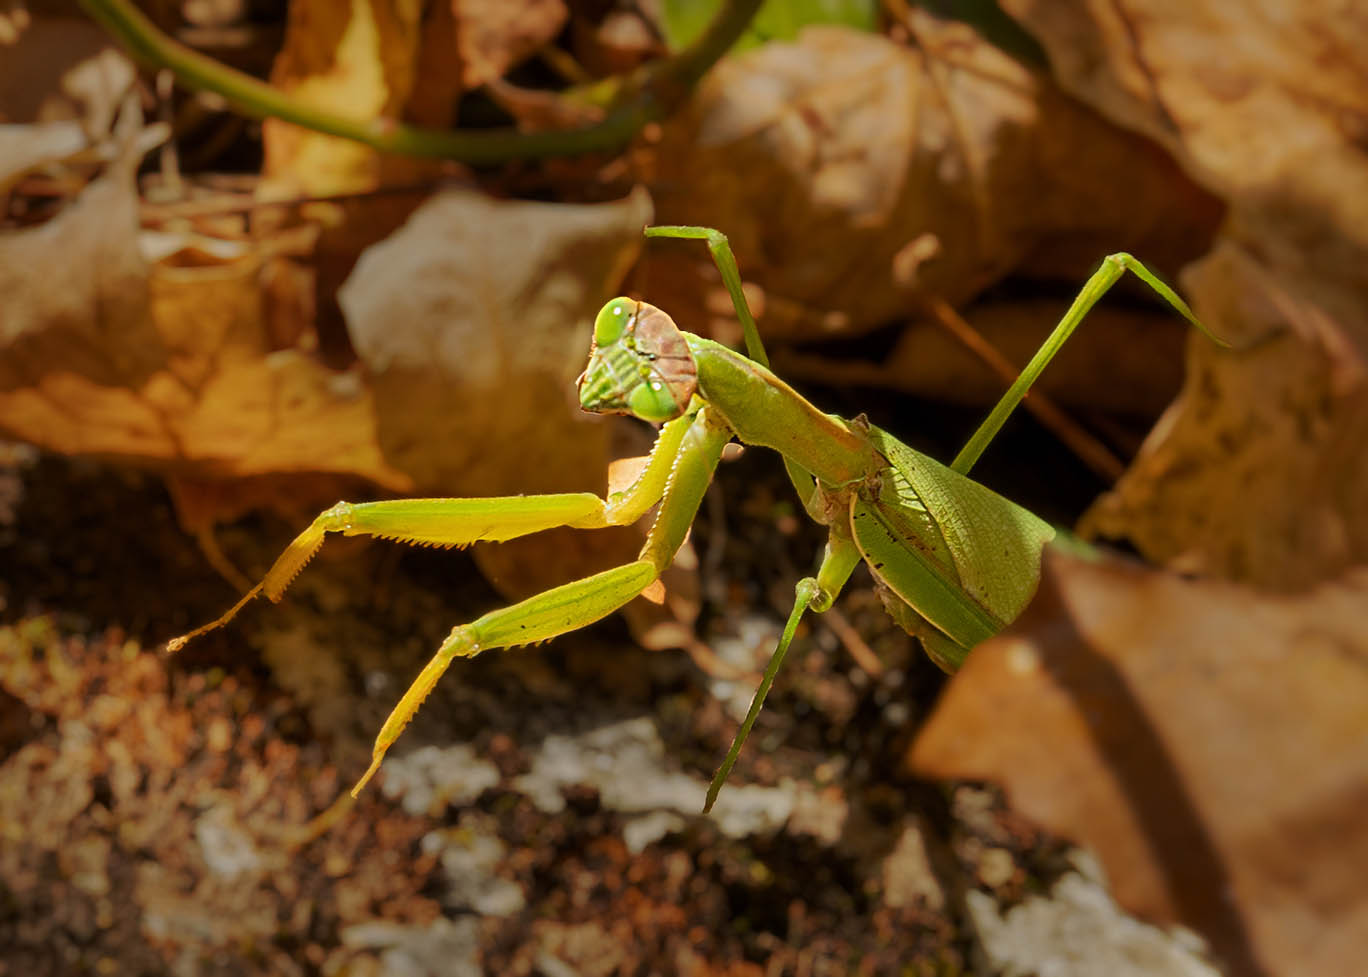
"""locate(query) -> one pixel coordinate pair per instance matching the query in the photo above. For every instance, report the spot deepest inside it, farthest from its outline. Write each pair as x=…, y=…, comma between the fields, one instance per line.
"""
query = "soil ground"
x=161, y=815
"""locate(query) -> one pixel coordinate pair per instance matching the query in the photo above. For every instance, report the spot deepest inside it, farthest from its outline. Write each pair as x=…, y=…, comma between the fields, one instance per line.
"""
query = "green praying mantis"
x=954, y=562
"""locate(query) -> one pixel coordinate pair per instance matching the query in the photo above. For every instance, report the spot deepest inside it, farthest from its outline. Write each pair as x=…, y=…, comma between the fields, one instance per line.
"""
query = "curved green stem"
x=652, y=95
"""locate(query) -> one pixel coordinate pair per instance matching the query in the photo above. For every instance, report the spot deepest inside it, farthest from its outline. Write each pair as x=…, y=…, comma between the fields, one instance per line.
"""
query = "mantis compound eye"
x=652, y=401
x=640, y=364
x=612, y=321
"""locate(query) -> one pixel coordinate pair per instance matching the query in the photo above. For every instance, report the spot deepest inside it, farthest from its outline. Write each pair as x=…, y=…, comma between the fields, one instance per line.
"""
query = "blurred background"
x=215, y=323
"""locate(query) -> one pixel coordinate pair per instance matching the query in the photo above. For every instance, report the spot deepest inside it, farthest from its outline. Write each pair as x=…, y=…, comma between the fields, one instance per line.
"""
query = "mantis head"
x=640, y=364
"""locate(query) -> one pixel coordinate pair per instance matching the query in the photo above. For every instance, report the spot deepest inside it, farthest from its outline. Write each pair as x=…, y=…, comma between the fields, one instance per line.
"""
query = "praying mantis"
x=954, y=562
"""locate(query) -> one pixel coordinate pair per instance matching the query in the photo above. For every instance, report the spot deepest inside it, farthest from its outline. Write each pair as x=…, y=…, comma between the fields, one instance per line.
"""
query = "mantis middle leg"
x=812, y=593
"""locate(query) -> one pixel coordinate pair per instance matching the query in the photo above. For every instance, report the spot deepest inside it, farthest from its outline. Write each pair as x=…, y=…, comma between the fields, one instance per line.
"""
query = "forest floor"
x=174, y=815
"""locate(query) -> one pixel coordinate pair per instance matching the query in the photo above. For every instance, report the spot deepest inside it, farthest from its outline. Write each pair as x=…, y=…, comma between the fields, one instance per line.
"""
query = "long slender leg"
x=1113, y=267
x=460, y=522
x=581, y=602
x=720, y=249
x=812, y=593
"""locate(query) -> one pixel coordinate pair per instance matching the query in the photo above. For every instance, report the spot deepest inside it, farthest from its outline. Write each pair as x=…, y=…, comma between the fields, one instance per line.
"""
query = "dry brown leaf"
x=61, y=69
x=358, y=59
x=1261, y=103
x=1260, y=471
x=173, y=362
x=472, y=322
x=236, y=404
x=824, y=160
x=378, y=59
x=1264, y=102
x=76, y=301
x=1210, y=742
x=494, y=35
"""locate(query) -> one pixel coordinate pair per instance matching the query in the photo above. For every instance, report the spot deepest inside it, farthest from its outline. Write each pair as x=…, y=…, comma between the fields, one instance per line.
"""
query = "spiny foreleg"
x=581, y=602
x=460, y=522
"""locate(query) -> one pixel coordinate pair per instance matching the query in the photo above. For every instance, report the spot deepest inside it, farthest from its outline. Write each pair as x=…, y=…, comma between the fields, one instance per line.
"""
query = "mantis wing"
x=961, y=556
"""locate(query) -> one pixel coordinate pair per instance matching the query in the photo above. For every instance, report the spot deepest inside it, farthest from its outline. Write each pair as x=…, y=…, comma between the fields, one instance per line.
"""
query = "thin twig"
x=854, y=645
x=712, y=666
x=228, y=202
x=647, y=95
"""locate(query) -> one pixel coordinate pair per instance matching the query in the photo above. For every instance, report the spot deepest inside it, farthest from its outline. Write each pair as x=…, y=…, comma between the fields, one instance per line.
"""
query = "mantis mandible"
x=955, y=562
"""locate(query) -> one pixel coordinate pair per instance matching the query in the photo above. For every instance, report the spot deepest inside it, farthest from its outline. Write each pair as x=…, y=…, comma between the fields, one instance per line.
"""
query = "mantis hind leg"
x=1113, y=267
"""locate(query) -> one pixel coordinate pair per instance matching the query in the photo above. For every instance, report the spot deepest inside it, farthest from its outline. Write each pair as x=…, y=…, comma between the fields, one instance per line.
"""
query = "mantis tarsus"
x=955, y=562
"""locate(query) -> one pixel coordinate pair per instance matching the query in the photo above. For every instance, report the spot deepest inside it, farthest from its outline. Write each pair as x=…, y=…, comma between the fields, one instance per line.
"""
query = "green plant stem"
x=650, y=95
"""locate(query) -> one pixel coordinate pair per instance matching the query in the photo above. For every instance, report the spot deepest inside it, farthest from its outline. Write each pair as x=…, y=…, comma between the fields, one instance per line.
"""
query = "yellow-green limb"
x=1113, y=267
x=574, y=605
x=815, y=593
x=460, y=522
x=556, y=611
x=644, y=98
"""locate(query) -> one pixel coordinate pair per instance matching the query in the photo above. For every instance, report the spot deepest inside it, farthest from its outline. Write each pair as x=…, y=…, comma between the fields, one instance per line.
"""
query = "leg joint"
x=461, y=643
x=339, y=519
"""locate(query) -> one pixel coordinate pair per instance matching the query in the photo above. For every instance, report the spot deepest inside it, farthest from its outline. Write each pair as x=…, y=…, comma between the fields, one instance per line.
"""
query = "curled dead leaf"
x=1259, y=471
x=494, y=35
x=472, y=322
x=1208, y=741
